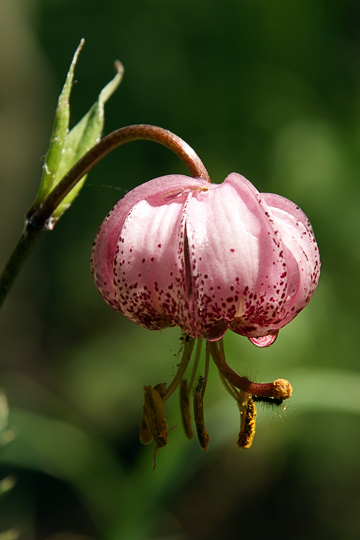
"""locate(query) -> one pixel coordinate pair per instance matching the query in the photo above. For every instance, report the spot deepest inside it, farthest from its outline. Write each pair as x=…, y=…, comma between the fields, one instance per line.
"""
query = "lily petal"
x=236, y=258
x=301, y=252
x=112, y=270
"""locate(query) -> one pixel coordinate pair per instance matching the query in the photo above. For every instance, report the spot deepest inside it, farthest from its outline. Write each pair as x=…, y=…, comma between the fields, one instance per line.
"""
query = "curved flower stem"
x=279, y=389
x=40, y=215
x=38, y=218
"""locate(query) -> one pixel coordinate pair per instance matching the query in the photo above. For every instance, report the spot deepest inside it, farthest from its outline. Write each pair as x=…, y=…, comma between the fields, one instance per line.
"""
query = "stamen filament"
x=185, y=409
x=206, y=370
x=202, y=434
x=196, y=363
x=187, y=352
x=229, y=387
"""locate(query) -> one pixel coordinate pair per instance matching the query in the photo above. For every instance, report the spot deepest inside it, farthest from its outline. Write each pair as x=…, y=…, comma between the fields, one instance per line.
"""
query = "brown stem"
x=279, y=389
x=40, y=215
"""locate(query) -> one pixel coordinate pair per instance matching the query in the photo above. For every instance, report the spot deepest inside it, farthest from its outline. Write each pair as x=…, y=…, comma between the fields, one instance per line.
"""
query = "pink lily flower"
x=180, y=251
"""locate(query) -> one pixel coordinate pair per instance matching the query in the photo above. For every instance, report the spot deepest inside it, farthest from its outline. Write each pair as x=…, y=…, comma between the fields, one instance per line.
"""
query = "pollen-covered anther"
x=153, y=423
x=247, y=426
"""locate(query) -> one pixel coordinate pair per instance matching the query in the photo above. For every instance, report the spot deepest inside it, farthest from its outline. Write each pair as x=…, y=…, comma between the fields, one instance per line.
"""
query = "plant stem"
x=42, y=214
x=22, y=250
x=39, y=218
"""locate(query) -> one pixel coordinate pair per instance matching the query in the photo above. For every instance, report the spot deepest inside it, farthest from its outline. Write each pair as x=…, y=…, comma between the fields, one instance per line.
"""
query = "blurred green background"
x=267, y=89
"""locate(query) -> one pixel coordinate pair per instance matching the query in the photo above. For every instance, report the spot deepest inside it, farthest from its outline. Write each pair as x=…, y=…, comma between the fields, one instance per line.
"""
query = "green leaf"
x=82, y=137
x=67, y=147
x=60, y=128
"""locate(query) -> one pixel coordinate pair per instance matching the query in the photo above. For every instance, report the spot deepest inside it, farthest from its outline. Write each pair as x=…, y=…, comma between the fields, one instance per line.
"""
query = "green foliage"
x=67, y=147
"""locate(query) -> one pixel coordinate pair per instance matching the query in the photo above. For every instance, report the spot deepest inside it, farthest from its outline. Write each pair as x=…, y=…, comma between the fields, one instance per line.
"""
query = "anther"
x=247, y=425
x=199, y=415
x=153, y=422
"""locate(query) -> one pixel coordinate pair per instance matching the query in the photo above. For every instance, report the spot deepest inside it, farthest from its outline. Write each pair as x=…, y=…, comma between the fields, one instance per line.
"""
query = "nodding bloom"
x=180, y=251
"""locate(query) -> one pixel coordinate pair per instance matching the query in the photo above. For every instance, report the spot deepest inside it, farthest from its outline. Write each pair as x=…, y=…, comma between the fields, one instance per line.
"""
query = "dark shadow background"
x=267, y=89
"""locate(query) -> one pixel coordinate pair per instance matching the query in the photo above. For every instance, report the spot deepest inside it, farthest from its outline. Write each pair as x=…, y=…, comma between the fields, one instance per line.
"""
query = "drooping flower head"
x=180, y=251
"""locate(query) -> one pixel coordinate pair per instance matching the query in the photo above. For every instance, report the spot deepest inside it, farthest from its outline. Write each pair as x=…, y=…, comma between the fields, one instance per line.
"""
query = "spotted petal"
x=236, y=259
x=206, y=257
x=135, y=257
x=301, y=251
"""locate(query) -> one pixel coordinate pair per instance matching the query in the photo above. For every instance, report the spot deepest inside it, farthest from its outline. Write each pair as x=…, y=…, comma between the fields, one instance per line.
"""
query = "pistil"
x=278, y=389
